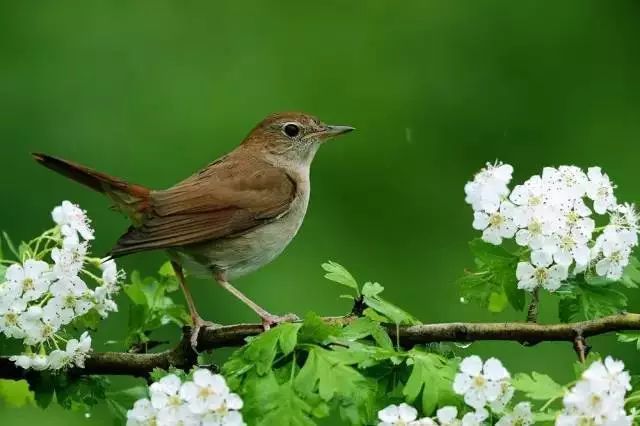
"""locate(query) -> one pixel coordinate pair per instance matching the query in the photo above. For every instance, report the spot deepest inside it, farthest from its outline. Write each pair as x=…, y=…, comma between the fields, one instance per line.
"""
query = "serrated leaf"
x=363, y=327
x=262, y=350
x=582, y=300
x=339, y=274
x=315, y=330
x=326, y=372
x=371, y=297
x=494, y=283
x=370, y=289
x=287, y=409
x=431, y=376
x=631, y=274
x=15, y=393
x=537, y=386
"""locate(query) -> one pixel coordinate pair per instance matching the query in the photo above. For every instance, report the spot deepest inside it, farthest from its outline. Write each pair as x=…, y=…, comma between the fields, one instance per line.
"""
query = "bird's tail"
x=131, y=199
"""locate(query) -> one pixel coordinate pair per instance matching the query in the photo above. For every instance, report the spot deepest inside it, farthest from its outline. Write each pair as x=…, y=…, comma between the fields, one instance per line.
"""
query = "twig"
x=182, y=356
x=532, y=311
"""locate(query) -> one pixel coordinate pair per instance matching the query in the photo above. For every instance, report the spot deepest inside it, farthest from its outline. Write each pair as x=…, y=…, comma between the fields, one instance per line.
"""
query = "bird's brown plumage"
x=225, y=199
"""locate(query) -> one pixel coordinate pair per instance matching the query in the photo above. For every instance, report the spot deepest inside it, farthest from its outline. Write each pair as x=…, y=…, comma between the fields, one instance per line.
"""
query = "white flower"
x=600, y=190
x=39, y=362
x=599, y=396
x=615, y=258
x=397, y=415
x=447, y=415
x=520, y=416
x=103, y=303
x=475, y=418
x=230, y=418
x=497, y=223
x=78, y=350
x=207, y=391
x=10, y=317
x=610, y=376
x=164, y=392
x=73, y=221
x=480, y=383
x=142, y=414
x=22, y=361
x=177, y=416
x=59, y=359
x=540, y=273
x=69, y=260
x=31, y=278
x=110, y=274
x=489, y=187
x=571, y=246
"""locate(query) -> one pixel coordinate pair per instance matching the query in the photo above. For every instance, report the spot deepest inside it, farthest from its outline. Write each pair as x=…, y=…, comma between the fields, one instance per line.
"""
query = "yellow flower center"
x=496, y=220
x=27, y=284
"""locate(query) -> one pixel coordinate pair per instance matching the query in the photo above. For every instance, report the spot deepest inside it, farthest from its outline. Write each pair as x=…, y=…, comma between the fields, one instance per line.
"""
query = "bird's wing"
x=225, y=199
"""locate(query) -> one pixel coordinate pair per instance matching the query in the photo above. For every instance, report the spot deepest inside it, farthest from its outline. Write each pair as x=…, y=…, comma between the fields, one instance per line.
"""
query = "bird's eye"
x=291, y=130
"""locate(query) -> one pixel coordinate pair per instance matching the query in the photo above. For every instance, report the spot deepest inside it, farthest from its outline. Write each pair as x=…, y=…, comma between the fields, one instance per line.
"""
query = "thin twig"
x=182, y=356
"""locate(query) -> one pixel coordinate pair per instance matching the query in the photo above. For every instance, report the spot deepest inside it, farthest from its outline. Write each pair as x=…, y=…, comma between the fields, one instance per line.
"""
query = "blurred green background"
x=153, y=90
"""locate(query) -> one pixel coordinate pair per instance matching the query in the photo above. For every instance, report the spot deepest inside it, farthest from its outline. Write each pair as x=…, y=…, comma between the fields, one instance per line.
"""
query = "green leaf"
x=15, y=393
x=166, y=270
x=371, y=292
x=329, y=375
x=630, y=338
x=371, y=289
x=150, y=307
x=261, y=351
x=582, y=300
x=495, y=282
x=432, y=375
x=497, y=302
x=364, y=327
x=339, y=274
x=631, y=274
x=287, y=409
x=315, y=330
x=537, y=386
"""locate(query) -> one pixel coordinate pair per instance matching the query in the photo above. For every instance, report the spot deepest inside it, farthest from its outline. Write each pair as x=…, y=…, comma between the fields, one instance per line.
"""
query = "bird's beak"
x=333, y=131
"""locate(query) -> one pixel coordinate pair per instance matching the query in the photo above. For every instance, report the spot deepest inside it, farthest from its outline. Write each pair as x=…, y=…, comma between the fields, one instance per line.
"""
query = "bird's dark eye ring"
x=291, y=130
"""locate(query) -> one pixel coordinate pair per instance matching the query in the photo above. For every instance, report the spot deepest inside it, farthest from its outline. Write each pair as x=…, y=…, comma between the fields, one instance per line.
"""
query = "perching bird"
x=230, y=218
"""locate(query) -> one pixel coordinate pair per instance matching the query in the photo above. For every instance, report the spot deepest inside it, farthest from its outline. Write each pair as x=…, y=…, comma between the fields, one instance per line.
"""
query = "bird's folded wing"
x=226, y=199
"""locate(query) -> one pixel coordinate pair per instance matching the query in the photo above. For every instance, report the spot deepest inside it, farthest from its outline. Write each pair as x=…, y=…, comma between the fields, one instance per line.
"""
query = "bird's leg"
x=267, y=318
x=197, y=320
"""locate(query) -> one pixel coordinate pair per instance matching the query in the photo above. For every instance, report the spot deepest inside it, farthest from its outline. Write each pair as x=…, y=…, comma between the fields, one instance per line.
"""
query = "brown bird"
x=229, y=219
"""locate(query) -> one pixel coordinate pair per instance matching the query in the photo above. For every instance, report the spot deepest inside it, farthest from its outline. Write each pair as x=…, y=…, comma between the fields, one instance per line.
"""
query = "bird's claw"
x=270, y=320
x=199, y=323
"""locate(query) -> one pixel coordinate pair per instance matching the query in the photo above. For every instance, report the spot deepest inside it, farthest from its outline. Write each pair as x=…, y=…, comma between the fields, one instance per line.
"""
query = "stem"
x=532, y=311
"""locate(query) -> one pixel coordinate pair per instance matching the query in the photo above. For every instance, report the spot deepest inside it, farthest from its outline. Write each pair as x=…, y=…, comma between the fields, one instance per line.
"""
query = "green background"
x=153, y=90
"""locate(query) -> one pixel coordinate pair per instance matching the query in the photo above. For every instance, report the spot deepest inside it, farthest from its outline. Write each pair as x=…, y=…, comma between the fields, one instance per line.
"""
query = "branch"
x=182, y=356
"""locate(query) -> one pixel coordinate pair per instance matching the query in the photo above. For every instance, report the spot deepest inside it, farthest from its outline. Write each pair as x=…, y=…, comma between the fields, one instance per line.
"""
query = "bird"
x=230, y=218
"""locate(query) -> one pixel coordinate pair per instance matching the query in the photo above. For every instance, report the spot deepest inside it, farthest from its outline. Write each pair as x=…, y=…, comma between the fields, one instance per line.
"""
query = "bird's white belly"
x=243, y=254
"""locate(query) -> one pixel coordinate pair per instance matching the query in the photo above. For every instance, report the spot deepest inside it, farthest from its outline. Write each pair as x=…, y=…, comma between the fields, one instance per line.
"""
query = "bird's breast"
x=243, y=254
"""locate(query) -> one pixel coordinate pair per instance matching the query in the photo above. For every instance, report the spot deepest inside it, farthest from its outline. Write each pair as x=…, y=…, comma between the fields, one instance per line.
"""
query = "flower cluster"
x=552, y=215
x=205, y=400
x=39, y=298
x=484, y=386
x=599, y=397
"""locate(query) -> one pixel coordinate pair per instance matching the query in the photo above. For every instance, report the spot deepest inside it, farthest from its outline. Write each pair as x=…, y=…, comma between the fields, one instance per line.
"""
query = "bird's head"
x=292, y=136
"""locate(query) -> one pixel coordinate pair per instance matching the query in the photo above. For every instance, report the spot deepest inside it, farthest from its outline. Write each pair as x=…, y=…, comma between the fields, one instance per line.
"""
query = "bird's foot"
x=199, y=323
x=270, y=320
